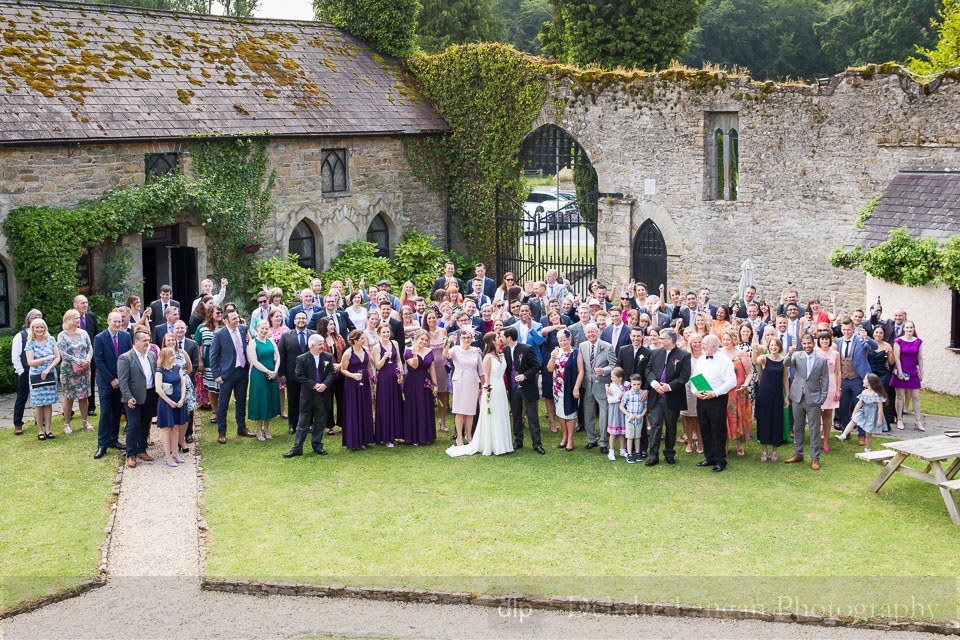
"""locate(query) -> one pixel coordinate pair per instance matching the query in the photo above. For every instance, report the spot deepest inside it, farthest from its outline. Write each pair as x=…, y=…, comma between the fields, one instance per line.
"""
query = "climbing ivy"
x=490, y=95
x=46, y=242
x=903, y=259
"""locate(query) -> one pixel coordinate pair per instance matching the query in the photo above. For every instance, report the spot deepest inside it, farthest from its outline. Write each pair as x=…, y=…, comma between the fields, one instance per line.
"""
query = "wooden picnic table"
x=932, y=450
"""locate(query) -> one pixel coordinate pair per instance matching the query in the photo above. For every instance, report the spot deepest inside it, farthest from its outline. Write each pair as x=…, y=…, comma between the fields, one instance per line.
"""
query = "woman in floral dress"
x=76, y=353
x=566, y=365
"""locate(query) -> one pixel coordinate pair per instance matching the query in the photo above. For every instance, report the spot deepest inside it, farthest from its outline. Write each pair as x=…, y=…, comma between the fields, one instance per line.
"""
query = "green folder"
x=700, y=383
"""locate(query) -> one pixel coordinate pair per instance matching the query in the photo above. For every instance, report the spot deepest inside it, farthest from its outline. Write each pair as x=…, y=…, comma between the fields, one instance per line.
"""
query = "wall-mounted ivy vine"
x=903, y=259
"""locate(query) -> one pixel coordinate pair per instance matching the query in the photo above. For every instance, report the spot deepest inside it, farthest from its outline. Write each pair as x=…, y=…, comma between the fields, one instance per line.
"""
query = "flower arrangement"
x=486, y=390
x=253, y=244
x=400, y=383
x=428, y=383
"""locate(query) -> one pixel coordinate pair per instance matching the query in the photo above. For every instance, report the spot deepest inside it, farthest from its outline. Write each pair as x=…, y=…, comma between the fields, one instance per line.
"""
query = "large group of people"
x=626, y=366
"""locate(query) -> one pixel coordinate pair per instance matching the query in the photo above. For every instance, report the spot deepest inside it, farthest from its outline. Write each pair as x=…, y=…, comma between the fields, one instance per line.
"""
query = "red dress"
x=739, y=416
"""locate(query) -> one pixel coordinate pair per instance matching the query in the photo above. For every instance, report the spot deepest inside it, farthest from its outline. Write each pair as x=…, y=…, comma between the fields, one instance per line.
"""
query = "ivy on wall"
x=490, y=95
x=903, y=259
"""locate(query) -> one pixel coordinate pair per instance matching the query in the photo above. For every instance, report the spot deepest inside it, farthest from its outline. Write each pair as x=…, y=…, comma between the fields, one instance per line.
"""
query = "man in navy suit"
x=448, y=272
x=753, y=317
x=230, y=367
x=617, y=333
x=340, y=319
x=306, y=305
x=89, y=323
x=158, y=308
x=705, y=304
x=689, y=310
x=108, y=346
x=854, y=367
x=163, y=328
x=489, y=286
x=749, y=293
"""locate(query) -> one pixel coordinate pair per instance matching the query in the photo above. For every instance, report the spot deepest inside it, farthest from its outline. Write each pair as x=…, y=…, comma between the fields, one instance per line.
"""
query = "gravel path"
x=153, y=591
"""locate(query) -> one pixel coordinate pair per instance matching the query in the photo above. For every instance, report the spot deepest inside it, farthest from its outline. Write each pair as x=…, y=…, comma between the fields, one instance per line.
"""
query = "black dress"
x=769, y=404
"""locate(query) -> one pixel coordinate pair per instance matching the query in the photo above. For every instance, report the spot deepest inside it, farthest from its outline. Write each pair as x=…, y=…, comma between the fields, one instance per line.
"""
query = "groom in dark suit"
x=316, y=375
x=667, y=373
x=523, y=367
x=292, y=345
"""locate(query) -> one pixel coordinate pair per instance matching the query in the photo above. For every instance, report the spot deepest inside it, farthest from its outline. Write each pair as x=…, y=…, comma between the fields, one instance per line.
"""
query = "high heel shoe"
x=266, y=433
x=918, y=425
x=87, y=426
x=260, y=434
x=561, y=446
x=900, y=425
x=66, y=429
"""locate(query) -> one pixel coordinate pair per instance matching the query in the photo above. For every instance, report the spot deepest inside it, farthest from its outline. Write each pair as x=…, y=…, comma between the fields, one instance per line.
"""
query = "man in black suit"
x=165, y=326
x=159, y=307
x=523, y=367
x=292, y=345
x=633, y=358
x=489, y=286
x=90, y=324
x=192, y=350
x=667, y=373
x=448, y=272
x=396, y=327
x=315, y=375
x=340, y=319
x=616, y=333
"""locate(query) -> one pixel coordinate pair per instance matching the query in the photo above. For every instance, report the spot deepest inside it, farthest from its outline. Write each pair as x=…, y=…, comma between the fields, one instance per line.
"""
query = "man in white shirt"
x=260, y=313
x=555, y=289
x=793, y=320
x=206, y=289
x=135, y=375
x=718, y=371
x=19, y=359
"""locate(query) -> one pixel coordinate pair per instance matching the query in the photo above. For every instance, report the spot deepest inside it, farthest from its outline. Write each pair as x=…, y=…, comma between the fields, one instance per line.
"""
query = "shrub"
x=284, y=273
x=358, y=260
x=419, y=260
x=8, y=377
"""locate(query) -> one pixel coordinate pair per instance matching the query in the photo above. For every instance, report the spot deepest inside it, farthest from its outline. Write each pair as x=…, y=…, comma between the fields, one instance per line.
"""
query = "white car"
x=546, y=211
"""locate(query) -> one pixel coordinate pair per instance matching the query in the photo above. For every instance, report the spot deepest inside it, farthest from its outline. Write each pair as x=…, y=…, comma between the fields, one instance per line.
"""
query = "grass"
x=939, y=404
x=54, y=509
x=759, y=535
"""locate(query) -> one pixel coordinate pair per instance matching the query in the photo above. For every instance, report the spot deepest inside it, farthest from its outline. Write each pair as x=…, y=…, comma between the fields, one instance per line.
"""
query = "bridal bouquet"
x=428, y=383
x=487, y=389
x=400, y=384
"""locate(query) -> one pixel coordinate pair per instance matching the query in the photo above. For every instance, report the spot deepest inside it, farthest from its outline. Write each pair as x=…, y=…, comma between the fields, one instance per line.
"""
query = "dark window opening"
x=4, y=298
x=85, y=273
x=304, y=244
x=333, y=170
x=379, y=234
x=160, y=164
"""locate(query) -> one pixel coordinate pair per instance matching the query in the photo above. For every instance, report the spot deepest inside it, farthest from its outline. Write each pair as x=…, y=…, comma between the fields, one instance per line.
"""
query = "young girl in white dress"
x=616, y=421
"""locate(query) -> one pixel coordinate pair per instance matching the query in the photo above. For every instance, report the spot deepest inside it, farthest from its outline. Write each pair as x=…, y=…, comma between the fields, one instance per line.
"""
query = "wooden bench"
x=952, y=485
x=877, y=457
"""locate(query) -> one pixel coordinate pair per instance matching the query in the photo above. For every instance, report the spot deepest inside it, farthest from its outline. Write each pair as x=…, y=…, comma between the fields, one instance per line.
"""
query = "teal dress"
x=264, y=402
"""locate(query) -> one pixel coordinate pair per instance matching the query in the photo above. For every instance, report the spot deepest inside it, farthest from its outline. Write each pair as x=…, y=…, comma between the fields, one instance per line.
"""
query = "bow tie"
x=709, y=357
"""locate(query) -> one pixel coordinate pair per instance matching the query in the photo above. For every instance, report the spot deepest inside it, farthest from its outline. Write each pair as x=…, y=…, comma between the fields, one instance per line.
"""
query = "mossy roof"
x=89, y=73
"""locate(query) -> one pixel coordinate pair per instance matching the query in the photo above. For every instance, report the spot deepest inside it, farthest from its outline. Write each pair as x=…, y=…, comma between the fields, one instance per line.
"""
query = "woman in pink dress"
x=467, y=380
x=277, y=329
x=438, y=338
x=825, y=348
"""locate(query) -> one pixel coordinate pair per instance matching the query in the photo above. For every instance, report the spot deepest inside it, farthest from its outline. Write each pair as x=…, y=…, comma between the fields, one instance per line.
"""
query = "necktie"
x=666, y=360
x=180, y=344
x=239, y=347
x=550, y=291
x=164, y=310
x=593, y=352
x=846, y=348
x=302, y=342
x=116, y=347
x=336, y=323
x=83, y=323
x=317, y=362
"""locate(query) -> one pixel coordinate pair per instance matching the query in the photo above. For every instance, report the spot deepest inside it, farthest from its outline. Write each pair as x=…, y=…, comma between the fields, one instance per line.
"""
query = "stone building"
x=928, y=204
x=698, y=170
x=101, y=96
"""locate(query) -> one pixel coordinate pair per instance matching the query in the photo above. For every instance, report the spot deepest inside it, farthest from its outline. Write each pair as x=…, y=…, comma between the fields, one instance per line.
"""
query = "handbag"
x=77, y=367
x=167, y=388
x=36, y=382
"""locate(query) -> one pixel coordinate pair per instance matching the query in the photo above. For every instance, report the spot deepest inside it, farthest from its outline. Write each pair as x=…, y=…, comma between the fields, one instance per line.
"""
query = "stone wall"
x=379, y=182
x=810, y=158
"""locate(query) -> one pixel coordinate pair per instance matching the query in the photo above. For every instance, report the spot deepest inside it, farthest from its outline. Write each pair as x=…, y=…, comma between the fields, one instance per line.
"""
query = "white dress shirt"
x=718, y=372
x=16, y=350
x=145, y=365
x=217, y=299
x=236, y=339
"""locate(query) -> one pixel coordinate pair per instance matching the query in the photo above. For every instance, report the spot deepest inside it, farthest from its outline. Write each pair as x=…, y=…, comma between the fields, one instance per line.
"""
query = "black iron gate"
x=559, y=233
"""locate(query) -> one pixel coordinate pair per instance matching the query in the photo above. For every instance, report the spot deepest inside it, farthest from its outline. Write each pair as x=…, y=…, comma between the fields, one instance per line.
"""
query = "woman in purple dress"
x=386, y=357
x=357, y=420
x=908, y=372
x=419, y=390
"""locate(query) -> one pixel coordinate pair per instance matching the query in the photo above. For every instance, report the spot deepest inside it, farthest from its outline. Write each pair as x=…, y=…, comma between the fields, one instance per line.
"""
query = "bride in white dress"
x=492, y=435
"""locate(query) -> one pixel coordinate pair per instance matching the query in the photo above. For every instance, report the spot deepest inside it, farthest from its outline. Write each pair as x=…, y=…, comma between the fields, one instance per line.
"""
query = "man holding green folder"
x=713, y=378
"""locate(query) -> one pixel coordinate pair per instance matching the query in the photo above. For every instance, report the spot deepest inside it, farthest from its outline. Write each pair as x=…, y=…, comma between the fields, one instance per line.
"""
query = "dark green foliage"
x=771, y=38
x=522, y=21
x=8, y=377
x=585, y=181
x=490, y=95
x=645, y=34
x=864, y=31
x=241, y=8
x=946, y=54
x=447, y=22
x=419, y=260
x=357, y=260
x=388, y=25
x=285, y=273
x=903, y=259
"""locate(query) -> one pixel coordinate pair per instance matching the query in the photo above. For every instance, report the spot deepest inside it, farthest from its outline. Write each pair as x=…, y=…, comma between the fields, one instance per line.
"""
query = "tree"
x=446, y=22
x=771, y=38
x=388, y=25
x=877, y=31
x=622, y=33
x=240, y=8
x=946, y=55
x=522, y=22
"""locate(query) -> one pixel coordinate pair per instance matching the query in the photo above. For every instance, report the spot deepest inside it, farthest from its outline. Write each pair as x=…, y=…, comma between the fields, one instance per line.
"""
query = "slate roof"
x=928, y=204
x=70, y=72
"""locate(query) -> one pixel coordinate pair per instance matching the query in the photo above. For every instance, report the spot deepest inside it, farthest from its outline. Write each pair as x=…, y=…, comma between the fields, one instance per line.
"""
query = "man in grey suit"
x=807, y=392
x=577, y=333
x=555, y=288
x=598, y=362
x=135, y=370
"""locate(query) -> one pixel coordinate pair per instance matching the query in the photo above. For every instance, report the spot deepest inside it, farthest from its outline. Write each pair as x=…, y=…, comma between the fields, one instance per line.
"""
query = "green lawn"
x=940, y=404
x=54, y=510
x=759, y=535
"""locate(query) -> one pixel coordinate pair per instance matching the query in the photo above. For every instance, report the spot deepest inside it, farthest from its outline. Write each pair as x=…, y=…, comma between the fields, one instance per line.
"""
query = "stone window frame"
x=380, y=235
x=311, y=261
x=156, y=165
x=721, y=156
x=333, y=163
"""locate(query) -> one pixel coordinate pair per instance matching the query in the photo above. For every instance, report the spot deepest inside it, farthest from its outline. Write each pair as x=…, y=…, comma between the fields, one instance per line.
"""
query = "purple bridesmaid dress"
x=357, y=421
x=419, y=423
x=388, y=401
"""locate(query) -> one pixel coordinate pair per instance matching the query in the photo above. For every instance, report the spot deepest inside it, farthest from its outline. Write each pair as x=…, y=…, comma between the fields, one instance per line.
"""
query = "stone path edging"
x=566, y=604
x=100, y=575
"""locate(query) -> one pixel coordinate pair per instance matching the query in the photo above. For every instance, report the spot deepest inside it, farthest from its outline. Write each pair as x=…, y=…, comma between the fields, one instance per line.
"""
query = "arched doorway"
x=303, y=242
x=553, y=225
x=379, y=234
x=650, y=256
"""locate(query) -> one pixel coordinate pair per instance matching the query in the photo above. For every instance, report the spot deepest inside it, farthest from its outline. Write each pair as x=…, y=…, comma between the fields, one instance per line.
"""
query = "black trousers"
x=23, y=394
x=337, y=400
x=92, y=398
x=712, y=416
x=138, y=424
x=293, y=403
x=519, y=406
x=313, y=412
x=663, y=427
